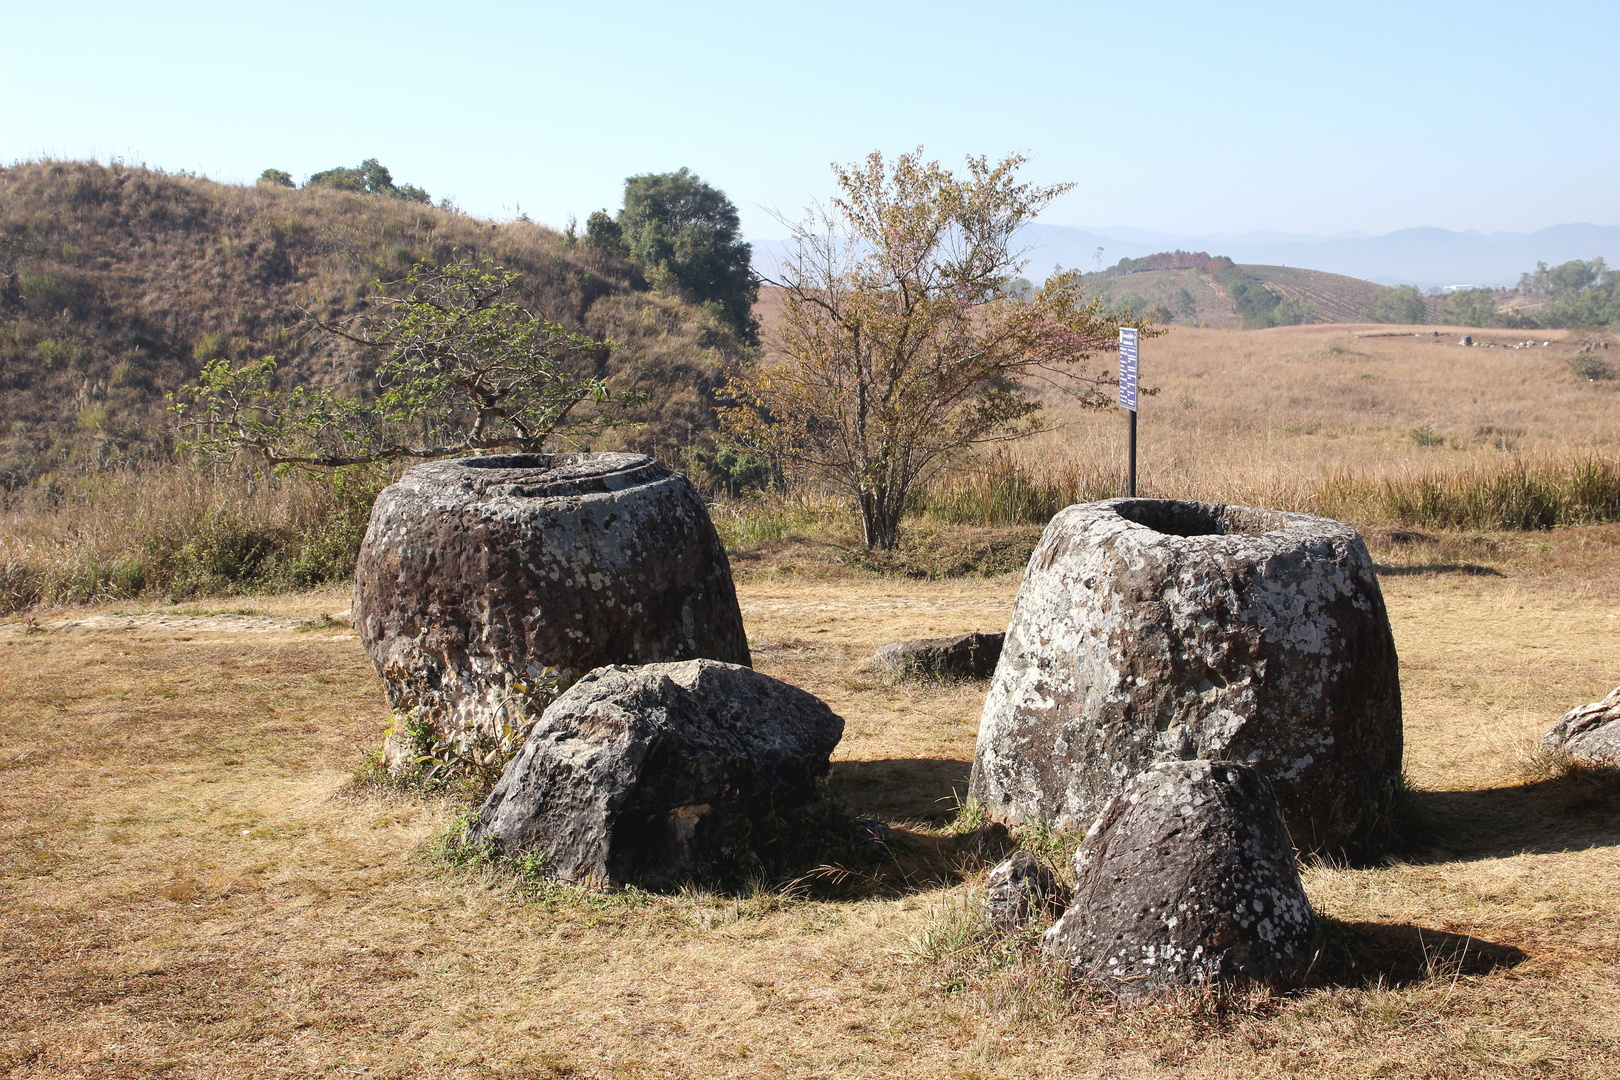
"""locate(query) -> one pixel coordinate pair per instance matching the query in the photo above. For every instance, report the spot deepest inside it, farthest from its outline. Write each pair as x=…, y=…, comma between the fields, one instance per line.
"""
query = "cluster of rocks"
x=1159, y=630
x=1206, y=687
x=665, y=750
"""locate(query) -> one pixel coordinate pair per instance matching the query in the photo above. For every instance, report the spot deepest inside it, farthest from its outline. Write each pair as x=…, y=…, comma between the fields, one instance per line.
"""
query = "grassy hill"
x=117, y=284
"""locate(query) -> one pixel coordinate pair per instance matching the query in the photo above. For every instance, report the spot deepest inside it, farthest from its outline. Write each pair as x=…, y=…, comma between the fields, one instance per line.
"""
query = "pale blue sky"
x=1199, y=118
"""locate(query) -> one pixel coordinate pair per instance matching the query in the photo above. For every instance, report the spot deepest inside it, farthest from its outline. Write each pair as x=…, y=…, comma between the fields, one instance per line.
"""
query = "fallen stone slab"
x=1150, y=630
x=964, y=656
x=646, y=773
x=1187, y=878
x=476, y=575
x=1590, y=733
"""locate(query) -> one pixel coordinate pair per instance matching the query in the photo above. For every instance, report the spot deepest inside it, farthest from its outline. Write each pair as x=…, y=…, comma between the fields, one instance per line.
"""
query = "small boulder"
x=1590, y=733
x=1188, y=878
x=1019, y=888
x=645, y=773
x=965, y=656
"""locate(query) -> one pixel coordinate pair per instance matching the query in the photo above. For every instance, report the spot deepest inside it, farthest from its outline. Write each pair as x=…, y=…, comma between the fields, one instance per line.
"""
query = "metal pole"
x=1131, y=459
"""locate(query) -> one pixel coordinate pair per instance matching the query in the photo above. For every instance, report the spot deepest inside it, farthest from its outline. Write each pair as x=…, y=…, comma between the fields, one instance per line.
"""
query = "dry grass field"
x=193, y=885
x=1270, y=415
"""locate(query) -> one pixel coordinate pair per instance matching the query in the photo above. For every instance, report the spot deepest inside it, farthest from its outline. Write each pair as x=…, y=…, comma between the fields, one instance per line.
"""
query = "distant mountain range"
x=1423, y=257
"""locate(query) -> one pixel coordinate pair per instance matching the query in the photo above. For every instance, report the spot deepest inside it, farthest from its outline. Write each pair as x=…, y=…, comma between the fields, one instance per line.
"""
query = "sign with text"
x=1127, y=368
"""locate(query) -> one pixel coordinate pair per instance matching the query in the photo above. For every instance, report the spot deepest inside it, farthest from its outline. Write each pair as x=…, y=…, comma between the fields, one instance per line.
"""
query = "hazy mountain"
x=1424, y=256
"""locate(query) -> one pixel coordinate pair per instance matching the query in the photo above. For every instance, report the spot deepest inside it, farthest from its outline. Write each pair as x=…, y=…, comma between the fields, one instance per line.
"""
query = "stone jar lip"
x=1190, y=523
x=536, y=476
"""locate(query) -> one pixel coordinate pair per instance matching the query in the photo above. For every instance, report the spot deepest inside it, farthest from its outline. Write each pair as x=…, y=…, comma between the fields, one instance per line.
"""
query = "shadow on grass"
x=1469, y=569
x=1357, y=954
x=902, y=789
x=1574, y=810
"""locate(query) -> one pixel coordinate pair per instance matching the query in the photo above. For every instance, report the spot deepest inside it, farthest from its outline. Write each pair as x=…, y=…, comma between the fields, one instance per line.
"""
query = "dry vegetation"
x=194, y=884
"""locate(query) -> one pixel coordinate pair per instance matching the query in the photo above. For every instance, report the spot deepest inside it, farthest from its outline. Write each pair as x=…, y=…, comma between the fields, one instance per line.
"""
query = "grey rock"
x=1020, y=888
x=1151, y=630
x=643, y=773
x=1188, y=878
x=1590, y=733
x=477, y=574
x=966, y=656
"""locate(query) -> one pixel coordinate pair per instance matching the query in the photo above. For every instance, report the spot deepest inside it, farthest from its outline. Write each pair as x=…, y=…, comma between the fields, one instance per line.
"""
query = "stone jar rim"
x=537, y=475
x=1189, y=522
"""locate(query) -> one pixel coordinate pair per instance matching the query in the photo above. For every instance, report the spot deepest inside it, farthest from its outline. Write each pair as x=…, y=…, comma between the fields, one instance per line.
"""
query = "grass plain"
x=192, y=882
x=193, y=885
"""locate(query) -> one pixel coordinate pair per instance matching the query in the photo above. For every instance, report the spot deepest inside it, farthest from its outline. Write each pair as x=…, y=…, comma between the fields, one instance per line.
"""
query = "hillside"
x=117, y=283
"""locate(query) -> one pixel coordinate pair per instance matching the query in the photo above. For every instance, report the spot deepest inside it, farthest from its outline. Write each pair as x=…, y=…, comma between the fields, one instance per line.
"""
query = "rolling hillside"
x=117, y=284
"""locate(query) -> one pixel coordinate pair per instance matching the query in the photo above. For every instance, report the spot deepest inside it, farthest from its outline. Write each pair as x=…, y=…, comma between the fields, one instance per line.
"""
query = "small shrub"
x=1591, y=368
x=1425, y=436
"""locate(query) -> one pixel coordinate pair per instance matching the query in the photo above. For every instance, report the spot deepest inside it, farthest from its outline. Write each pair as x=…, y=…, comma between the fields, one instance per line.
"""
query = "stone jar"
x=476, y=574
x=1149, y=630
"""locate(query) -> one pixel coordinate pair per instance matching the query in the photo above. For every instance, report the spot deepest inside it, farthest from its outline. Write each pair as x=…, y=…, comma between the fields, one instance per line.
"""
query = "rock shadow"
x=902, y=789
x=1358, y=954
x=1574, y=811
x=1471, y=569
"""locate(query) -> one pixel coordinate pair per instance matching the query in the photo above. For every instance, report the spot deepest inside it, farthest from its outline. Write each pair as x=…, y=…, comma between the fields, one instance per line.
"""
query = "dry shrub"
x=179, y=531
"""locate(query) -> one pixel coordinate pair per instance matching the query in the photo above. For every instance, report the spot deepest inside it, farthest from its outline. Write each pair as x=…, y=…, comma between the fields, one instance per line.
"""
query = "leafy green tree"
x=901, y=349
x=276, y=178
x=1402, y=304
x=1577, y=293
x=1471, y=307
x=1253, y=301
x=686, y=237
x=370, y=177
x=462, y=368
x=603, y=234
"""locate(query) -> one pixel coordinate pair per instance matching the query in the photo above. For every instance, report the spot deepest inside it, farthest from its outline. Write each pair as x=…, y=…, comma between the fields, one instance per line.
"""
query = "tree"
x=1402, y=304
x=275, y=178
x=901, y=349
x=685, y=236
x=462, y=368
x=370, y=177
x=1472, y=307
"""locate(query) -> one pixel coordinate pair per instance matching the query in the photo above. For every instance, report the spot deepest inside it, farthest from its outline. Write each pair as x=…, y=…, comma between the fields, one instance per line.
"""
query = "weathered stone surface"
x=1589, y=733
x=640, y=773
x=965, y=656
x=1148, y=630
x=1020, y=888
x=477, y=573
x=1187, y=878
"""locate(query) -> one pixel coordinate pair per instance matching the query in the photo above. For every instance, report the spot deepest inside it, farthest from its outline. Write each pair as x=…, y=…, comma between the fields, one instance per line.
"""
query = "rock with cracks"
x=965, y=656
x=1150, y=630
x=647, y=773
x=1020, y=888
x=1188, y=878
x=1590, y=733
x=477, y=574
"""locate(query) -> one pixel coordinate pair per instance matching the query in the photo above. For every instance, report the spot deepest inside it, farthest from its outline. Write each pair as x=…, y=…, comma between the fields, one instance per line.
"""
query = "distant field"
x=1265, y=415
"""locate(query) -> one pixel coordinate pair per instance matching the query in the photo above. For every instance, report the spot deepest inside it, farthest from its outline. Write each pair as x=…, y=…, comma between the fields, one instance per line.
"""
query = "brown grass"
x=193, y=885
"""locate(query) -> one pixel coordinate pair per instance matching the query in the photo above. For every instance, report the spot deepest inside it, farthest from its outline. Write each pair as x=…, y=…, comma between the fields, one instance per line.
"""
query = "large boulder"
x=1149, y=630
x=644, y=773
x=1590, y=733
x=965, y=656
x=1188, y=878
x=477, y=574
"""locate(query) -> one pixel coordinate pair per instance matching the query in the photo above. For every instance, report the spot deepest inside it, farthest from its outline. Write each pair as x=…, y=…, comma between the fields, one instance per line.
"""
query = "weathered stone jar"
x=1153, y=630
x=476, y=574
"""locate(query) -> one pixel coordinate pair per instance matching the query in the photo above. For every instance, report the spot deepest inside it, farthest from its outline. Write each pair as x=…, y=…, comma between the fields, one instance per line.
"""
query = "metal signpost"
x=1127, y=394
